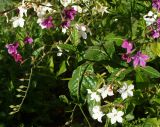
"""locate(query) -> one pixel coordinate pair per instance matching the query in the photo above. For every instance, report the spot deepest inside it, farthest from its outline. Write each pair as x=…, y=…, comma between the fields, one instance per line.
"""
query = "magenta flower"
x=70, y=13
x=156, y=4
x=17, y=57
x=12, y=48
x=66, y=24
x=140, y=59
x=127, y=46
x=28, y=40
x=155, y=34
x=126, y=57
x=47, y=23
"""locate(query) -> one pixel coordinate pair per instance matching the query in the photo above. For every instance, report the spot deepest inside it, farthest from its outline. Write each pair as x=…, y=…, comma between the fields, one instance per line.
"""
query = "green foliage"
x=47, y=89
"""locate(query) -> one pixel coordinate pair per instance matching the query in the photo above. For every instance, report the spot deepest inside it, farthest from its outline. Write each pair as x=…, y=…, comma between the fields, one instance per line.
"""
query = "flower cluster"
x=107, y=90
x=139, y=59
x=12, y=50
x=19, y=20
x=68, y=14
x=152, y=20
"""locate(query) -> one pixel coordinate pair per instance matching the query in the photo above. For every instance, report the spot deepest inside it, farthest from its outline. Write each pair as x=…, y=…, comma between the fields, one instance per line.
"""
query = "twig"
x=85, y=116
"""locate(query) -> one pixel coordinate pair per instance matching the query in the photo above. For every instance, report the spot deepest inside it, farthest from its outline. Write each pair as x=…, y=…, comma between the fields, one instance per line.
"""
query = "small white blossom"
x=22, y=10
x=115, y=116
x=39, y=21
x=77, y=8
x=100, y=9
x=126, y=91
x=106, y=90
x=94, y=95
x=17, y=21
x=60, y=52
x=150, y=18
x=83, y=29
x=65, y=3
x=97, y=113
x=64, y=30
x=43, y=9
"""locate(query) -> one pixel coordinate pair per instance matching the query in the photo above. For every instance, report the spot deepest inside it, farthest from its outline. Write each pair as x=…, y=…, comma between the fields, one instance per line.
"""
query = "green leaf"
x=109, y=48
x=83, y=78
x=142, y=80
x=64, y=99
x=119, y=74
x=129, y=117
x=153, y=73
x=62, y=68
x=152, y=122
x=51, y=64
x=37, y=52
x=67, y=47
x=113, y=38
x=95, y=53
x=75, y=39
x=155, y=47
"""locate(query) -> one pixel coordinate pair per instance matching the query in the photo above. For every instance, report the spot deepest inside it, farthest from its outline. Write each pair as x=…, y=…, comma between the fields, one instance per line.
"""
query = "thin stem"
x=29, y=83
x=85, y=116
x=73, y=113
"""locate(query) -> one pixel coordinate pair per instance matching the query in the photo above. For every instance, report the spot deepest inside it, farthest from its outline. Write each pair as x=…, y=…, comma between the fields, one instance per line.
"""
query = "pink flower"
x=140, y=59
x=12, y=48
x=126, y=57
x=47, y=23
x=127, y=46
x=17, y=57
x=70, y=13
x=66, y=24
x=155, y=34
x=28, y=40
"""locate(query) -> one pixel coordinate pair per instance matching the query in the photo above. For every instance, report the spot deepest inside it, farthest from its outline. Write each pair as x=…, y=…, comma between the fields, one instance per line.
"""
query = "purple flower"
x=28, y=40
x=66, y=24
x=17, y=57
x=140, y=59
x=70, y=13
x=126, y=57
x=156, y=4
x=12, y=48
x=47, y=23
x=127, y=46
x=155, y=34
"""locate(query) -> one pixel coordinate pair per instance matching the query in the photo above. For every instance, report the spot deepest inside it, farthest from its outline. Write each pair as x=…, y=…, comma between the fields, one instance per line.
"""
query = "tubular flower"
x=140, y=59
x=115, y=116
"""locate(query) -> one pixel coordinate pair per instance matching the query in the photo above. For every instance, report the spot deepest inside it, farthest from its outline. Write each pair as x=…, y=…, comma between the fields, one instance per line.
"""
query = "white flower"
x=126, y=91
x=97, y=113
x=65, y=3
x=43, y=9
x=115, y=116
x=39, y=21
x=100, y=9
x=94, y=95
x=22, y=10
x=106, y=90
x=17, y=21
x=150, y=18
x=82, y=30
x=64, y=30
x=60, y=52
x=77, y=8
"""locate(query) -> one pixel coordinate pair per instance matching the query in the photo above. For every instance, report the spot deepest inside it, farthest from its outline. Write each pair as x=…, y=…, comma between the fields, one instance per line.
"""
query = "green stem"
x=29, y=83
x=85, y=116
x=131, y=18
